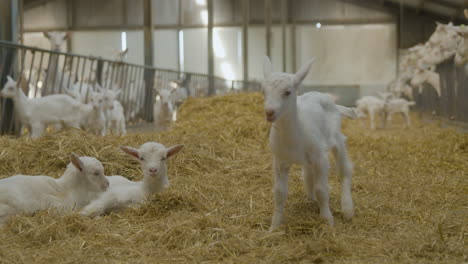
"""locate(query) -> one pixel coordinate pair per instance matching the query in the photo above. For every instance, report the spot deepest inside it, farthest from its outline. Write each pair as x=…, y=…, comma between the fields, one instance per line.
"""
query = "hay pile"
x=410, y=189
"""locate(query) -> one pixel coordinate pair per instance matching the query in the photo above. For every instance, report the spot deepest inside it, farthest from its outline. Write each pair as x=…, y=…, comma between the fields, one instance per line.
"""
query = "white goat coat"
x=316, y=114
x=28, y=194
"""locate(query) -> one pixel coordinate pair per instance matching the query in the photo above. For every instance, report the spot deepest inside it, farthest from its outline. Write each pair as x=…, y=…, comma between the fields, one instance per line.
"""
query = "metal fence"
x=453, y=102
x=46, y=72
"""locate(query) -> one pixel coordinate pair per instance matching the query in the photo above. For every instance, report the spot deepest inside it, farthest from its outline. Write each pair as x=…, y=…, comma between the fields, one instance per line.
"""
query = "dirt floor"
x=410, y=190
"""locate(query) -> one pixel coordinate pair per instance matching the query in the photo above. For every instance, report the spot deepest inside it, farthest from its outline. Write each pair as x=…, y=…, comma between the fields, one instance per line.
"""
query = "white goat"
x=304, y=128
x=163, y=109
x=397, y=105
x=114, y=112
x=55, y=78
x=372, y=106
x=93, y=115
x=82, y=181
x=37, y=113
x=123, y=192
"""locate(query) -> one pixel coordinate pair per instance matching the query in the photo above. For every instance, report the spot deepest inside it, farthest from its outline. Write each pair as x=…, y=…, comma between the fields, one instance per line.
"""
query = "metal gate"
x=45, y=72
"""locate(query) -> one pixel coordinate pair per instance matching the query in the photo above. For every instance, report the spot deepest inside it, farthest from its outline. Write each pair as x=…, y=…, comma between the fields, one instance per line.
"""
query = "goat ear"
x=130, y=151
x=174, y=150
x=76, y=161
x=302, y=73
x=267, y=67
x=66, y=35
x=46, y=34
x=118, y=92
x=125, y=51
x=465, y=12
x=10, y=79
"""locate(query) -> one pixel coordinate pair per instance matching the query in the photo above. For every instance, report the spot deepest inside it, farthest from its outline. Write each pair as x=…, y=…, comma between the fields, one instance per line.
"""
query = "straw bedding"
x=410, y=191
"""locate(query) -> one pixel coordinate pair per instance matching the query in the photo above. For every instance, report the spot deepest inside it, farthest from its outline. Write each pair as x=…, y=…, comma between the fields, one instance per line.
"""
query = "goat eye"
x=163, y=158
x=96, y=173
x=142, y=159
x=287, y=93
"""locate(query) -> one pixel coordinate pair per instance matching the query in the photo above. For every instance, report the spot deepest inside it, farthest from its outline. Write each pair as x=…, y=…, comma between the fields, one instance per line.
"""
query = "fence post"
x=7, y=113
x=99, y=68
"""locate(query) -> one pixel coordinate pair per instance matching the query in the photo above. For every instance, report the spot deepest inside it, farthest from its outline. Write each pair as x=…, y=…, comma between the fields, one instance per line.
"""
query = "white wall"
x=38, y=40
x=227, y=44
x=135, y=47
x=196, y=50
x=165, y=49
x=257, y=49
x=96, y=43
x=348, y=55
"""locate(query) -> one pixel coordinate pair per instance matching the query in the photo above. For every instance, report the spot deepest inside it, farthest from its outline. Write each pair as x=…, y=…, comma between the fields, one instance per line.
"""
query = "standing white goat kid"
x=372, y=106
x=304, y=128
x=93, y=114
x=114, y=112
x=37, y=113
x=82, y=181
x=123, y=192
x=398, y=105
x=163, y=109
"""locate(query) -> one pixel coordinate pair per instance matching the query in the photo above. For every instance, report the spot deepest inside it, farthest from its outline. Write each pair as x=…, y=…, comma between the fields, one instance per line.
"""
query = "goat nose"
x=269, y=112
x=153, y=170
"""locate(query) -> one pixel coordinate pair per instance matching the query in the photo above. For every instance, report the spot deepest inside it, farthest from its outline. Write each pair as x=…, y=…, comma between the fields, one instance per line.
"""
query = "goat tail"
x=349, y=112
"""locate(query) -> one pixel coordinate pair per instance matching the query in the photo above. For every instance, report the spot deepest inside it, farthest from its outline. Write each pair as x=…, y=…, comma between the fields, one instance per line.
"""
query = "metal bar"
x=90, y=76
x=268, y=27
x=142, y=89
x=39, y=75
x=62, y=73
x=106, y=80
x=284, y=14
x=83, y=74
x=71, y=72
x=47, y=76
x=109, y=81
x=245, y=38
x=30, y=71
x=211, y=82
x=131, y=92
x=149, y=56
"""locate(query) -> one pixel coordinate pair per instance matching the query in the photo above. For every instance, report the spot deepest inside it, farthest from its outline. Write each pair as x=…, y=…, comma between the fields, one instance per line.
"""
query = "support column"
x=211, y=81
x=293, y=47
x=9, y=31
x=268, y=27
x=149, y=59
x=284, y=21
x=179, y=28
x=69, y=9
x=245, y=39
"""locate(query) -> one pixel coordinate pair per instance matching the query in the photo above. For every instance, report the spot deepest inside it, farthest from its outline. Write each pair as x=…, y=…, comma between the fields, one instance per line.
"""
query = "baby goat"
x=304, y=128
x=82, y=181
x=37, y=113
x=123, y=192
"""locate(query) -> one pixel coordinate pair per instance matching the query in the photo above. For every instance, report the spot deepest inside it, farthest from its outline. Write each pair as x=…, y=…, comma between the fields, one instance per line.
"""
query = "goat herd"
x=85, y=104
x=417, y=66
x=304, y=129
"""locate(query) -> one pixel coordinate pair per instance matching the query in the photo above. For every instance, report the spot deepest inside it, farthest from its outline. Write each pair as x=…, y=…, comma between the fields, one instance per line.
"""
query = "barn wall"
x=414, y=30
x=49, y=15
x=370, y=49
x=165, y=49
x=304, y=10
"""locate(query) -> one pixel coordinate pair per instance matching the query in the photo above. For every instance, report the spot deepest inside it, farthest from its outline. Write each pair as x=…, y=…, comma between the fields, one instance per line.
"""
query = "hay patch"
x=410, y=189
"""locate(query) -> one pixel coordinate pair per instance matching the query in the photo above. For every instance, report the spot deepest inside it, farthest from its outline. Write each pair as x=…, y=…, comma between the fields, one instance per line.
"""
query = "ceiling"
x=451, y=10
x=445, y=10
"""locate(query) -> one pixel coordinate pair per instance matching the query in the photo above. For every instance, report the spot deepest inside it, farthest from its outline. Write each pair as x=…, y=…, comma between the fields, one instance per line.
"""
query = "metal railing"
x=453, y=102
x=47, y=72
